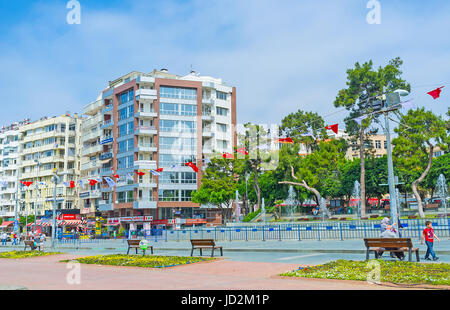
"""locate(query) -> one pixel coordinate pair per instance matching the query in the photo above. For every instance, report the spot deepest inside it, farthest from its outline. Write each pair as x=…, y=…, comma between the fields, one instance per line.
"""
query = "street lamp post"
x=391, y=181
x=38, y=164
x=55, y=180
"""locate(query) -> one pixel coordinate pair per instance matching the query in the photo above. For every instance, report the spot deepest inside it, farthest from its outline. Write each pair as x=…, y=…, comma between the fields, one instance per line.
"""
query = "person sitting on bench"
x=390, y=232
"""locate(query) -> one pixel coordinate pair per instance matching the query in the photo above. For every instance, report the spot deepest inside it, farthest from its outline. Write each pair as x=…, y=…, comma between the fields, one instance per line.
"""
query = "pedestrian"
x=4, y=237
x=14, y=238
x=429, y=235
x=390, y=232
x=42, y=241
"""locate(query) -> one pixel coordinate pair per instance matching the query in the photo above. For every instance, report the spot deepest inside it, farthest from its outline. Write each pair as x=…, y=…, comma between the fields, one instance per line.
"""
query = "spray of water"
x=442, y=192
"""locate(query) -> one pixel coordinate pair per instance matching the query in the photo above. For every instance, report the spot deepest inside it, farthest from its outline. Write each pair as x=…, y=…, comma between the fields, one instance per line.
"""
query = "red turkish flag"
x=159, y=170
x=140, y=173
x=242, y=150
x=193, y=166
x=116, y=176
x=333, y=127
x=92, y=182
x=27, y=184
x=436, y=93
x=286, y=140
x=228, y=156
x=72, y=184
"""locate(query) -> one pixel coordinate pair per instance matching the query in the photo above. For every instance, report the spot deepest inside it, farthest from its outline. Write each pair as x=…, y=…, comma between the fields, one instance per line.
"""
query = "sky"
x=281, y=56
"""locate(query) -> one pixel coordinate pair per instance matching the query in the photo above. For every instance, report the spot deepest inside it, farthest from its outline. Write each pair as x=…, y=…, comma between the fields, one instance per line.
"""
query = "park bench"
x=134, y=244
x=390, y=245
x=431, y=207
x=205, y=244
x=30, y=244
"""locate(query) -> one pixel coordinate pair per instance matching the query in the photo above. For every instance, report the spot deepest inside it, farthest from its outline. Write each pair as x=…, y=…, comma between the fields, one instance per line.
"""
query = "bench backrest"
x=29, y=242
x=431, y=205
x=133, y=242
x=388, y=242
x=204, y=242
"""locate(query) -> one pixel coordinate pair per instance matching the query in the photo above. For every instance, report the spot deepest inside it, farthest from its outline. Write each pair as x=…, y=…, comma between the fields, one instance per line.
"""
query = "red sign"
x=195, y=221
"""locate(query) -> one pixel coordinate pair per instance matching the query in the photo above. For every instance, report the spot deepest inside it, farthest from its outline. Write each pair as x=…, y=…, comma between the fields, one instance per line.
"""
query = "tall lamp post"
x=38, y=165
x=55, y=180
x=390, y=102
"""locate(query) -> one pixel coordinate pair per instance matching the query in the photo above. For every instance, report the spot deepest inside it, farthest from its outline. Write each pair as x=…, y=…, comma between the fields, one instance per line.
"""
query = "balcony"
x=147, y=184
x=146, y=130
x=107, y=109
x=105, y=206
x=92, y=121
x=146, y=113
x=207, y=117
x=144, y=204
x=207, y=133
x=106, y=140
x=91, y=136
x=146, y=147
x=105, y=171
x=93, y=108
x=207, y=150
x=108, y=124
x=105, y=156
x=8, y=214
x=145, y=164
x=146, y=94
x=91, y=165
x=91, y=150
x=145, y=79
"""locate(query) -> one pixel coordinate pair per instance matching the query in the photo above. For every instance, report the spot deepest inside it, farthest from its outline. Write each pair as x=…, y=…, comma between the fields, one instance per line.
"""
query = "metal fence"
x=305, y=231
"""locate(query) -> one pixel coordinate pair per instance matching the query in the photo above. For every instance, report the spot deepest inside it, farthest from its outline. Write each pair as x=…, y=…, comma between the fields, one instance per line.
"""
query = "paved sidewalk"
x=48, y=273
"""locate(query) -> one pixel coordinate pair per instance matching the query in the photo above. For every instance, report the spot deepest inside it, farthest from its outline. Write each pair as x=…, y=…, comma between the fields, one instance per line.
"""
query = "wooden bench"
x=134, y=244
x=205, y=244
x=30, y=244
x=431, y=206
x=390, y=245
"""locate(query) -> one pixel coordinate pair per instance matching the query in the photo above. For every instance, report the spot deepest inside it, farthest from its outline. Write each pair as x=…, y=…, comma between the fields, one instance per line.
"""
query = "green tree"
x=419, y=132
x=364, y=83
x=218, y=185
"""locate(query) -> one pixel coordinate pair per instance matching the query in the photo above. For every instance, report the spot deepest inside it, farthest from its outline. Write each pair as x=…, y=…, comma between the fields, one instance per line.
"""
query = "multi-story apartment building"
x=143, y=122
x=376, y=144
x=9, y=168
x=45, y=145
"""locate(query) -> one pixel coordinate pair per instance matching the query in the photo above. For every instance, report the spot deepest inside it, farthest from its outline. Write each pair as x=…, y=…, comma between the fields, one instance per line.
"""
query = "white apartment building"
x=45, y=145
x=9, y=168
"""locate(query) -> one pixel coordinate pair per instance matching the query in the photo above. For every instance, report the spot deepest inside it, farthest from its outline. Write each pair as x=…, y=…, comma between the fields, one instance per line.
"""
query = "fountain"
x=291, y=203
x=323, y=207
x=263, y=211
x=442, y=191
x=357, y=196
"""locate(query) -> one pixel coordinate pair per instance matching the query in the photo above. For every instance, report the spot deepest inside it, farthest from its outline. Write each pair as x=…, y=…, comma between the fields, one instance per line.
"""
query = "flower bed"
x=141, y=261
x=391, y=272
x=25, y=254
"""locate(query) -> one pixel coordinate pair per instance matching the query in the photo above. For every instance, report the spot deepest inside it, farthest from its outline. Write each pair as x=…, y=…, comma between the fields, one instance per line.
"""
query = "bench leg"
x=136, y=250
x=376, y=254
x=410, y=255
x=221, y=251
x=192, y=252
x=128, y=251
x=201, y=254
x=367, y=254
x=151, y=248
x=212, y=252
x=417, y=256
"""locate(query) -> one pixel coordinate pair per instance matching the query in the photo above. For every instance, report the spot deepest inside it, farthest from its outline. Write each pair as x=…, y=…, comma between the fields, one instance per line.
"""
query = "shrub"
x=251, y=215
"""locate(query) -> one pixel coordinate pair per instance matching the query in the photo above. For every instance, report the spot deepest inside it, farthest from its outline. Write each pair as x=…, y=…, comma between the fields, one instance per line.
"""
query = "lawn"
x=391, y=271
x=25, y=254
x=141, y=261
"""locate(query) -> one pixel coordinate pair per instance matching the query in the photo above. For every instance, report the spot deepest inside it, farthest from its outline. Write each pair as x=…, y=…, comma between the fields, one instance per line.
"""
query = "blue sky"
x=281, y=55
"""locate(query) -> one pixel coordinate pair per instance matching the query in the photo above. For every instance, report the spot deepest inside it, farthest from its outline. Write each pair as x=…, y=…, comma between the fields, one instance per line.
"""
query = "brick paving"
x=48, y=273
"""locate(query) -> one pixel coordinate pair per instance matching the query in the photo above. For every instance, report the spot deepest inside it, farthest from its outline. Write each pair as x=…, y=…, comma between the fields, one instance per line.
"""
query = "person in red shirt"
x=429, y=235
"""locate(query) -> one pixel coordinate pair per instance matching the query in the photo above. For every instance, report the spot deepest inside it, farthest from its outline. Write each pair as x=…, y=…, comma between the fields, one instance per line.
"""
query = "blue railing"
x=303, y=231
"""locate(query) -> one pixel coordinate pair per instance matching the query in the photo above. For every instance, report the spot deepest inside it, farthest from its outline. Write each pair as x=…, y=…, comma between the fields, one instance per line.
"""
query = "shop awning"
x=6, y=224
x=73, y=223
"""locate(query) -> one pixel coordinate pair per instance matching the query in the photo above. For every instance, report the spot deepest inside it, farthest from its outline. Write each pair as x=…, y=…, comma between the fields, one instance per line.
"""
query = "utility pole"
x=55, y=181
x=16, y=207
x=38, y=164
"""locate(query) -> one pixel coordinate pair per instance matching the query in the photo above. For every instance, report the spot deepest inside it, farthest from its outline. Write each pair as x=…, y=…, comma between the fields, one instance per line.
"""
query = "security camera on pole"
x=389, y=102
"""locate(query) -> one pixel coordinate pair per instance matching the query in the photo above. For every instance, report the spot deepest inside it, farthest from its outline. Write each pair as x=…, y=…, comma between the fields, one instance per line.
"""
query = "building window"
x=378, y=144
x=221, y=95
x=221, y=127
x=168, y=108
x=385, y=145
x=169, y=178
x=188, y=178
x=168, y=195
x=178, y=93
x=188, y=110
x=221, y=111
x=186, y=195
